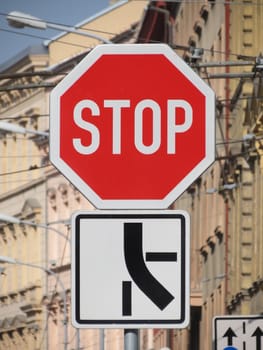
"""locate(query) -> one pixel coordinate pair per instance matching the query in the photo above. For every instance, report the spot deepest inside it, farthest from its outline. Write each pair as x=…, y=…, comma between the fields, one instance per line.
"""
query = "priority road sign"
x=238, y=332
x=130, y=269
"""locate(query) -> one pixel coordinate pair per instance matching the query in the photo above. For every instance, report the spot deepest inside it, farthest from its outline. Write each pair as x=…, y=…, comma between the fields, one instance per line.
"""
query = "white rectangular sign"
x=130, y=269
x=238, y=333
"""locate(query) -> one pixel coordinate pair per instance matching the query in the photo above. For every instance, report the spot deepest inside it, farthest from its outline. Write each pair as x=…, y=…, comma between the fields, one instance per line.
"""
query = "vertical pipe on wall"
x=227, y=89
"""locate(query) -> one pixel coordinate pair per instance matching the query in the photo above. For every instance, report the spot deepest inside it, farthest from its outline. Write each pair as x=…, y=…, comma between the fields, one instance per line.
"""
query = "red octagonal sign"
x=132, y=126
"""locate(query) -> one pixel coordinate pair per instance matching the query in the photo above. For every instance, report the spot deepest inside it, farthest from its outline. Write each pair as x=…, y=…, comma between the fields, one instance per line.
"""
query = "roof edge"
x=88, y=20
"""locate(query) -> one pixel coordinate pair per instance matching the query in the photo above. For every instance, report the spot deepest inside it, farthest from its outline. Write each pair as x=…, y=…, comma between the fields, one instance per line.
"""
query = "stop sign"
x=132, y=126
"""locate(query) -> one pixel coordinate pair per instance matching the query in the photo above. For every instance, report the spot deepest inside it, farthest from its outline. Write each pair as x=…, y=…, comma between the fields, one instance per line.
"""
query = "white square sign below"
x=130, y=269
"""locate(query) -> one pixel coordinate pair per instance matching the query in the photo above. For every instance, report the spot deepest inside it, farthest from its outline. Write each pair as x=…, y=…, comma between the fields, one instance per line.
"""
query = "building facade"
x=222, y=43
x=35, y=300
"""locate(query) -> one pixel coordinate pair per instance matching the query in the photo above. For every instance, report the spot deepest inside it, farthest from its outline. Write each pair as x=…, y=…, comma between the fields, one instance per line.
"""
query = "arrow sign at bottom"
x=258, y=334
x=230, y=334
x=233, y=332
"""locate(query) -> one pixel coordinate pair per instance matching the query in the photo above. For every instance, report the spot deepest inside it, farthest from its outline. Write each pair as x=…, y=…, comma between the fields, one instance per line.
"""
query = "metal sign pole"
x=131, y=339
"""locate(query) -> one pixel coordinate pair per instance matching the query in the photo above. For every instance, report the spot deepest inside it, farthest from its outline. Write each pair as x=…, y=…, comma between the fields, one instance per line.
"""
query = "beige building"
x=35, y=300
x=226, y=202
x=222, y=43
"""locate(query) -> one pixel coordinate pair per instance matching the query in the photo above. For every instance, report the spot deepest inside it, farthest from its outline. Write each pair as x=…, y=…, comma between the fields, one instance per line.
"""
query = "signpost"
x=238, y=332
x=130, y=269
x=132, y=127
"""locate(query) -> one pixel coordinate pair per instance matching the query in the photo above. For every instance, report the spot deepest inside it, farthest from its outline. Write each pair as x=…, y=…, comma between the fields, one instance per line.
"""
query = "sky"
x=66, y=12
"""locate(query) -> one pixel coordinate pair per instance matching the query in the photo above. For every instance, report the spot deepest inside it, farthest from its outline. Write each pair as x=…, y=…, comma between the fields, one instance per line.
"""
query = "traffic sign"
x=132, y=126
x=130, y=269
x=238, y=332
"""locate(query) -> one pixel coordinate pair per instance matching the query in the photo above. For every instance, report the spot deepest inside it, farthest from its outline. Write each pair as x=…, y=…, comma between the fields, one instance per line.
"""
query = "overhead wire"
x=219, y=143
x=31, y=168
x=175, y=46
x=21, y=156
x=43, y=38
x=63, y=24
x=26, y=116
x=230, y=2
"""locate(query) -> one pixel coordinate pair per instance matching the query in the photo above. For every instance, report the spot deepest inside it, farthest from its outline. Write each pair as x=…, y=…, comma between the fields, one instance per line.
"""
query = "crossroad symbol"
x=130, y=269
x=149, y=285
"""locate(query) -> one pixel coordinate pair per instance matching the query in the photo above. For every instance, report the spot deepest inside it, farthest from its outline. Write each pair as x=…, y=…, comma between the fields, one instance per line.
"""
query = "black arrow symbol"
x=133, y=253
x=230, y=334
x=258, y=334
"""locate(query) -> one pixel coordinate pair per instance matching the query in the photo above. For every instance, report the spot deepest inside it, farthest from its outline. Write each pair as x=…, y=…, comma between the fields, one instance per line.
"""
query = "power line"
x=18, y=156
x=42, y=38
x=65, y=25
x=25, y=116
x=50, y=73
x=210, y=50
x=221, y=143
x=238, y=140
x=174, y=46
x=23, y=34
x=41, y=73
x=41, y=84
x=31, y=168
x=191, y=2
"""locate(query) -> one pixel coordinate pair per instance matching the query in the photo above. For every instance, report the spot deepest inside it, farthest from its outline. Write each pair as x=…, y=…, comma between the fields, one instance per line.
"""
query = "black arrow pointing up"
x=229, y=335
x=258, y=334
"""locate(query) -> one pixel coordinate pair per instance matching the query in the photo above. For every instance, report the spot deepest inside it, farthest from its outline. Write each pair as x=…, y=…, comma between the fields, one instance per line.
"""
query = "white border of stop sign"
x=117, y=107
